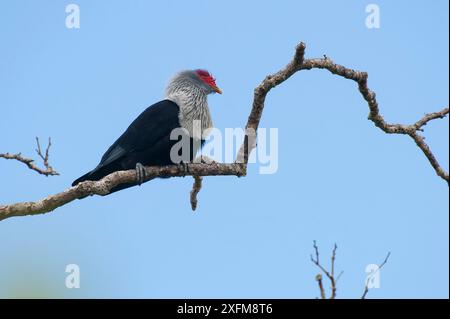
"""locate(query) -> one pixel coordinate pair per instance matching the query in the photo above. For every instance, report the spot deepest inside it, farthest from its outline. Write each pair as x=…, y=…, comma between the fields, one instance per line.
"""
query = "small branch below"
x=195, y=190
x=330, y=275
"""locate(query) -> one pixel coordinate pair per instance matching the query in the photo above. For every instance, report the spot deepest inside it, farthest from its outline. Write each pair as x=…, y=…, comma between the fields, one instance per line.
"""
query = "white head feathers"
x=189, y=91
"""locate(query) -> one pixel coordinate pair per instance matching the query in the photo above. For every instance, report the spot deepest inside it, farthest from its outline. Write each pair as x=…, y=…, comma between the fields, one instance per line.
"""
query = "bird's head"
x=199, y=78
x=207, y=81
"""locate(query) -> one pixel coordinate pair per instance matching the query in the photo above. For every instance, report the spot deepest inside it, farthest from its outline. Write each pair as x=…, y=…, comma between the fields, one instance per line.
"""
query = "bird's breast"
x=194, y=115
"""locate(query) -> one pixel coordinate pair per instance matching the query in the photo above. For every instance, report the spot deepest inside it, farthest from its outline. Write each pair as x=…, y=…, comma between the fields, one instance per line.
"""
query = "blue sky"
x=339, y=179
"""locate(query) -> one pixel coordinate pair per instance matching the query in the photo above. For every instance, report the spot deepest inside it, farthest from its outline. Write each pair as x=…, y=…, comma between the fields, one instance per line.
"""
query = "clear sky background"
x=340, y=179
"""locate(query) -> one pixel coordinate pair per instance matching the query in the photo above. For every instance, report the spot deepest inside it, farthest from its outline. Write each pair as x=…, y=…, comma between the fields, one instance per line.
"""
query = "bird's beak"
x=216, y=89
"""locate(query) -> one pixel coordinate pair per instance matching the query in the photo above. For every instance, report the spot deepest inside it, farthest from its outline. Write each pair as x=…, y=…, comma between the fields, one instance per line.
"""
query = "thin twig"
x=48, y=171
x=329, y=275
x=366, y=287
x=339, y=276
x=333, y=258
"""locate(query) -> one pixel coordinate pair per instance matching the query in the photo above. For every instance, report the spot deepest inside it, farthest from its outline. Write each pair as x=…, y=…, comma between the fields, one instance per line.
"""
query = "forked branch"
x=48, y=171
x=238, y=168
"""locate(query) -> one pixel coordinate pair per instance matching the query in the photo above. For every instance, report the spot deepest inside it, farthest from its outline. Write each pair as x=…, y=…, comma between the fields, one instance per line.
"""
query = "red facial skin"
x=208, y=79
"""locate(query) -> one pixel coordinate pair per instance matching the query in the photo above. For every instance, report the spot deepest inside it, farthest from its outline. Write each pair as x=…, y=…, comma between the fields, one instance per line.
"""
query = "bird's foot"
x=206, y=160
x=141, y=173
x=184, y=168
x=202, y=159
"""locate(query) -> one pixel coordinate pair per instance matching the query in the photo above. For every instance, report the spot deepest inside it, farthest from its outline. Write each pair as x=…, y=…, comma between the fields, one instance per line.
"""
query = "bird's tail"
x=95, y=175
x=85, y=177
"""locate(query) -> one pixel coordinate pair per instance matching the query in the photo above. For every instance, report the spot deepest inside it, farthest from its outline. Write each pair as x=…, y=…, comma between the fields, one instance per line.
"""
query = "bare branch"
x=48, y=171
x=320, y=283
x=332, y=278
x=333, y=258
x=299, y=63
x=374, y=112
x=259, y=98
x=195, y=190
x=104, y=186
x=197, y=186
x=429, y=117
x=366, y=287
x=330, y=275
x=239, y=167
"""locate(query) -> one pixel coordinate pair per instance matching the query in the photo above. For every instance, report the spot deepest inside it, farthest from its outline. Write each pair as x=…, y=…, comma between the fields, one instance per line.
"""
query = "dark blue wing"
x=152, y=125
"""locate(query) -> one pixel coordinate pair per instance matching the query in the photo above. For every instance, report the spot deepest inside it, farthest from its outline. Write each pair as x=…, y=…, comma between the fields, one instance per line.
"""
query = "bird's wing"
x=154, y=123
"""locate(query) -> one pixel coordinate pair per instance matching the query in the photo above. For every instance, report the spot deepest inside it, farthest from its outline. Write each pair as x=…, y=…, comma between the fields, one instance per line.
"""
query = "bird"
x=148, y=142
